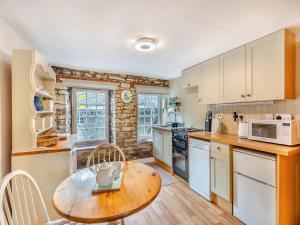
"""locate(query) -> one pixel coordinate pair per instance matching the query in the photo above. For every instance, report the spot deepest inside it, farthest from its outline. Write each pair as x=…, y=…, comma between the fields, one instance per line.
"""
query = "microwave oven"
x=285, y=132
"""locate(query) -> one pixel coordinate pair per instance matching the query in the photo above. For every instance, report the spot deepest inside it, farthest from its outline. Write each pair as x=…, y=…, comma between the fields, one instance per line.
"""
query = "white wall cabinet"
x=209, y=81
x=268, y=63
x=162, y=146
x=233, y=75
x=220, y=170
x=190, y=77
x=262, y=70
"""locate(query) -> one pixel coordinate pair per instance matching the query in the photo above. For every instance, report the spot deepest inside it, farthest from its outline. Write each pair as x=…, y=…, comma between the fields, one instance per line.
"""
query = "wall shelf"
x=43, y=131
x=43, y=94
x=44, y=112
x=31, y=76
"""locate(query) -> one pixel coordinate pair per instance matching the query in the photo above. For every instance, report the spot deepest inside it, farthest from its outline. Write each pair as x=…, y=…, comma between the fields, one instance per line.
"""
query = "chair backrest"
x=21, y=201
x=105, y=153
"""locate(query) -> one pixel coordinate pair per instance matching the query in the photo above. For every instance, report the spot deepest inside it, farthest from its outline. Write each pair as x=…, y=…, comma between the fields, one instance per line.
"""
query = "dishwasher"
x=199, y=167
x=254, y=187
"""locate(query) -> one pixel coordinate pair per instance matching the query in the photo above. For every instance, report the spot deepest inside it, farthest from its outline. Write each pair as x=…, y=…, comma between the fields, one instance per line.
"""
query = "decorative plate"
x=126, y=96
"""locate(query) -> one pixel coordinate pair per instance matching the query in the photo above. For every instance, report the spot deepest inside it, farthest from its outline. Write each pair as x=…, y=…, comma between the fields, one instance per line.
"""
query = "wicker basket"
x=47, y=140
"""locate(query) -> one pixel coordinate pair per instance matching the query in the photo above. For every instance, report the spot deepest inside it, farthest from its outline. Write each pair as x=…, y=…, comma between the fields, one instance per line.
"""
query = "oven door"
x=180, y=163
x=179, y=144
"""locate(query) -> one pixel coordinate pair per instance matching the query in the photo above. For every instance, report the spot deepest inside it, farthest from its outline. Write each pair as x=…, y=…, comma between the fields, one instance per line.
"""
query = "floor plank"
x=179, y=205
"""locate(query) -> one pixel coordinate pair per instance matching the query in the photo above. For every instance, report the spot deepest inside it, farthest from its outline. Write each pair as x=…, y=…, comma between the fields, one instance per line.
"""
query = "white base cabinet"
x=162, y=146
x=255, y=202
x=254, y=187
x=220, y=170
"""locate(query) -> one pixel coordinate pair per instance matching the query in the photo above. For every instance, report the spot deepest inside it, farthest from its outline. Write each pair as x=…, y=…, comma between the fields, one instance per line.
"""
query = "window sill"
x=144, y=140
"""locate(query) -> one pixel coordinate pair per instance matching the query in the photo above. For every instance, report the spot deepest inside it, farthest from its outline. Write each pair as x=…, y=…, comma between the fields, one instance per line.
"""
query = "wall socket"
x=242, y=117
x=219, y=116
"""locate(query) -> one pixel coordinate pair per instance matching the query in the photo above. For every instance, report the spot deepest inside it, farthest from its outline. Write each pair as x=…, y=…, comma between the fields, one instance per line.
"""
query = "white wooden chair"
x=105, y=153
x=21, y=202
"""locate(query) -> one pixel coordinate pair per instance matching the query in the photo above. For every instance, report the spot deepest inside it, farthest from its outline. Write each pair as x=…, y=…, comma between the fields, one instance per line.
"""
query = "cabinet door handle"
x=243, y=96
x=219, y=148
x=249, y=95
x=199, y=100
x=189, y=84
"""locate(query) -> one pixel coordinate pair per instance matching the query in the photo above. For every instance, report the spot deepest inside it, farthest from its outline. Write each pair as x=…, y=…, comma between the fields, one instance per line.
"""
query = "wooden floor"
x=179, y=205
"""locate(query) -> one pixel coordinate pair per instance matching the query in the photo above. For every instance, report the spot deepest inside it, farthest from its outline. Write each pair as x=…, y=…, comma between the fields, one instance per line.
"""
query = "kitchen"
x=221, y=138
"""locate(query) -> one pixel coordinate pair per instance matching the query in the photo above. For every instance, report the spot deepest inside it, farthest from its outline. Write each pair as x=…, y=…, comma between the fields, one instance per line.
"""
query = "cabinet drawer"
x=260, y=166
x=220, y=148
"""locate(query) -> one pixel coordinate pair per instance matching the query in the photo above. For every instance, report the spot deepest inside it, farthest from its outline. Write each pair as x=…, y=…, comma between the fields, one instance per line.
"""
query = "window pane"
x=148, y=121
x=148, y=113
x=141, y=111
x=155, y=120
x=81, y=98
x=155, y=110
x=141, y=130
x=91, y=100
x=148, y=131
x=141, y=121
x=91, y=115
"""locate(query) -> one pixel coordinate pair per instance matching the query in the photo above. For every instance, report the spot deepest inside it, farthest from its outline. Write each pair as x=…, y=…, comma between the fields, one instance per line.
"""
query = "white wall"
x=8, y=41
x=194, y=113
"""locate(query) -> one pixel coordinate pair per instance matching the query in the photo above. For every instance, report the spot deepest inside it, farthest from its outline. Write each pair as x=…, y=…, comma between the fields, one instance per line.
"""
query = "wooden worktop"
x=246, y=143
x=62, y=146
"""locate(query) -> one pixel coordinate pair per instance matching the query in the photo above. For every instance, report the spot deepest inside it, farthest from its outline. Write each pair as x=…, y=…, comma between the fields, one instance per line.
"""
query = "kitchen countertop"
x=246, y=143
x=62, y=146
x=168, y=129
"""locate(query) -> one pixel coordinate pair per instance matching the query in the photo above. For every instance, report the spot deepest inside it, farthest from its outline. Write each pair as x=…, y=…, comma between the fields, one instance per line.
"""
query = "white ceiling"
x=99, y=35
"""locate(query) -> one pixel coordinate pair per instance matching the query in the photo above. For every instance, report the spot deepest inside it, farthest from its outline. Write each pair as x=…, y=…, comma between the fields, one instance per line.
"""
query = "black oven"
x=180, y=152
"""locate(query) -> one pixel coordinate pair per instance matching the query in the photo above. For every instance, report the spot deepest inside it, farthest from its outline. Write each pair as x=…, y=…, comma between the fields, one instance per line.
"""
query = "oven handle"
x=179, y=152
x=178, y=139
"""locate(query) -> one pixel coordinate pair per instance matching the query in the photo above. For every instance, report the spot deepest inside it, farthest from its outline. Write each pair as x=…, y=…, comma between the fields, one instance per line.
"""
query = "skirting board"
x=144, y=160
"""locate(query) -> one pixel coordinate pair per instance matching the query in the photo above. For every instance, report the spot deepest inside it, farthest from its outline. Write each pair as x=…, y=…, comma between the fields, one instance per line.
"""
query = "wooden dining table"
x=73, y=198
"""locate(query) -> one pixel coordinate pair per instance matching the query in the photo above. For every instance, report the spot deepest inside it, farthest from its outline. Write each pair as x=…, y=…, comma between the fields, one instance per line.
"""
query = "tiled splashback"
x=255, y=112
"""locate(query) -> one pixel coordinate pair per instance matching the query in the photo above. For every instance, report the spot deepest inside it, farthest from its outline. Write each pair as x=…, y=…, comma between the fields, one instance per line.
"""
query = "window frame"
x=74, y=113
x=159, y=115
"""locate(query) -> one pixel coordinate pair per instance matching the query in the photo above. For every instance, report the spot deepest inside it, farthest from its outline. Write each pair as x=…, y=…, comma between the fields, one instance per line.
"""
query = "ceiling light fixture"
x=145, y=44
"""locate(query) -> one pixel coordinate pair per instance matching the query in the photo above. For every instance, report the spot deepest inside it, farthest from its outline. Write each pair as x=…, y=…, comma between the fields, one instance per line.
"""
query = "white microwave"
x=285, y=132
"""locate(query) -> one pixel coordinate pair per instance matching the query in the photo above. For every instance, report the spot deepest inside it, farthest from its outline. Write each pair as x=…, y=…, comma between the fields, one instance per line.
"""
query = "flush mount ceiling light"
x=145, y=44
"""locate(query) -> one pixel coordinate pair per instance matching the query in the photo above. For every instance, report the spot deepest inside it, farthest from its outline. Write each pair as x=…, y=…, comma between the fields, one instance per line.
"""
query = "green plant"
x=174, y=103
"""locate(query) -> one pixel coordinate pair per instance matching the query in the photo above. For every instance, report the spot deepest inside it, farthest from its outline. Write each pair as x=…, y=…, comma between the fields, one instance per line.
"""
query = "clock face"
x=126, y=96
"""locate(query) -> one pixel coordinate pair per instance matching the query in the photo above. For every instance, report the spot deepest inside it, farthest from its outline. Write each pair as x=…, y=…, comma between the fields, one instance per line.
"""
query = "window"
x=90, y=118
x=148, y=114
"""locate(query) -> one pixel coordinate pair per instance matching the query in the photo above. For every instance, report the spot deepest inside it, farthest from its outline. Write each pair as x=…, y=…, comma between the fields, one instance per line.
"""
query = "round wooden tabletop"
x=73, y=198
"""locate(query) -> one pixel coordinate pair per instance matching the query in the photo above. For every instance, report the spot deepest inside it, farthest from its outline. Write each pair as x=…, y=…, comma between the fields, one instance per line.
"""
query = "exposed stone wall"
x=123, y=117
x=63, y=109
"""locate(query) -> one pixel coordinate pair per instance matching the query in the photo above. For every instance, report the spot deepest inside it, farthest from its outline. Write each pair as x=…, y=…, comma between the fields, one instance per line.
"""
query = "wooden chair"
x=105, y=153
x=21, y=202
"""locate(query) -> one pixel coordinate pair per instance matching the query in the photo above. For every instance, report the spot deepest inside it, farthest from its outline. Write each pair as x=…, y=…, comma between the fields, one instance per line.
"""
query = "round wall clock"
x=126, y=96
